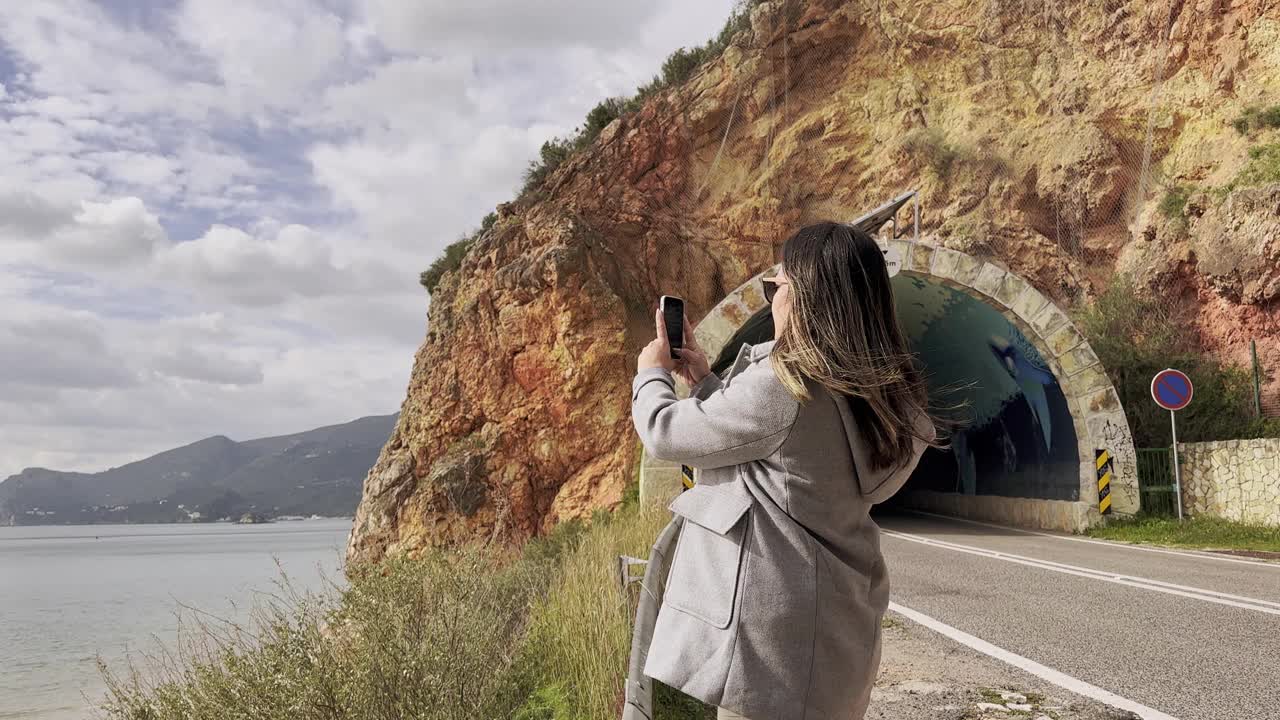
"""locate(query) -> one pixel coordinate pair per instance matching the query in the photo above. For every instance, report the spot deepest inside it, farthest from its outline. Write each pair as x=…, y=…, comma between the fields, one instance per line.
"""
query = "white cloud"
x=492, y=26
x=50, y=348
x=146, y=169
x=207, y=364
x=25, y=214
x=231, y=264
x=267, y=55
x=98, y=234
x=407, y=95
x=206, y=170
x=73, y=49
x=118, y=231
x=398, y=318
x=83, y=390
x=213, y=212
x=35, y=136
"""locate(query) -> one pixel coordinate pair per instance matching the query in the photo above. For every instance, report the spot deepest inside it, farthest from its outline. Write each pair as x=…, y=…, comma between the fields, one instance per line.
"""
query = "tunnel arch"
x=1096, y=416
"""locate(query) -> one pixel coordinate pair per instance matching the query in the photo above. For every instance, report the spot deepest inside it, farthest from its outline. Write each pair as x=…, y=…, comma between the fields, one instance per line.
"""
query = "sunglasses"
x=770, y=289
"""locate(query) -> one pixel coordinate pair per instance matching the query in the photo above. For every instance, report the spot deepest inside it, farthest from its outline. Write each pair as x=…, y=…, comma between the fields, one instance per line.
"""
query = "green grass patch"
x=1174, y=201
x=1263, y=168
x=1257, y=118
x=996, y=696
x=1198, y=532
x=669, y=703
x=934, y=151
x=991, y=695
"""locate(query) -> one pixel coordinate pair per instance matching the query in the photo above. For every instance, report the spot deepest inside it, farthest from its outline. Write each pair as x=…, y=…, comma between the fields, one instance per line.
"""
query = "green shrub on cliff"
x=1135, y=335
x=676, y=69
x=931, y=147
x=1257, y=118
x=452, y=258
x=554, y=152
x=1174, y=201
x=1263, y=167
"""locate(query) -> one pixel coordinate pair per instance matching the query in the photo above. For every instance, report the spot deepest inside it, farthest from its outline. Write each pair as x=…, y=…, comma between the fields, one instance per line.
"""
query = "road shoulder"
x=926, y=675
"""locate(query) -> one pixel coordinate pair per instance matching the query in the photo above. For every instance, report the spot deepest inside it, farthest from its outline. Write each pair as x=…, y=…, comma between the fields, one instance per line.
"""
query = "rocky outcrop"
x=1029, y=130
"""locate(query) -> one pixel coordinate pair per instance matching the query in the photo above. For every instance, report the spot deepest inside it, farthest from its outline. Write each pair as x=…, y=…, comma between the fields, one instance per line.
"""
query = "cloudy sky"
x=213, y=212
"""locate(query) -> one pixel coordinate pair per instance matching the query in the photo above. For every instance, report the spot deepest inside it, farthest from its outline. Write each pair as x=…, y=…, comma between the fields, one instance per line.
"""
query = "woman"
x=776, y=590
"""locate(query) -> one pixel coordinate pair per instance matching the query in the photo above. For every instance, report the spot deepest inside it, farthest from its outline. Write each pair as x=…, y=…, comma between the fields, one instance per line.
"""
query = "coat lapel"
x=748, y=354
x=744, y=356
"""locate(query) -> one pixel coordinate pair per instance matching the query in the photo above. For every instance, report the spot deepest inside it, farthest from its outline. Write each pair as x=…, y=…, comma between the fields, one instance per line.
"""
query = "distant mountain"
x=318, y=472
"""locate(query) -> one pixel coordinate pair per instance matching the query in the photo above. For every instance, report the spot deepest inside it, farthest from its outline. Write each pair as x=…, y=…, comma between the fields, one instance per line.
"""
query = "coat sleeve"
x=745, y=420
x=706, y=386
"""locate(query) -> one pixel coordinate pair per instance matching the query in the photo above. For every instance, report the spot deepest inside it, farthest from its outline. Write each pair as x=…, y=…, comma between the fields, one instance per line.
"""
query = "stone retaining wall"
x=1233, y=479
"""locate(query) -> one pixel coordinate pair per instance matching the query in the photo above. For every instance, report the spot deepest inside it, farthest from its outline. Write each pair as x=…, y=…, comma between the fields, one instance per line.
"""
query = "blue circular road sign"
x=1172, y=389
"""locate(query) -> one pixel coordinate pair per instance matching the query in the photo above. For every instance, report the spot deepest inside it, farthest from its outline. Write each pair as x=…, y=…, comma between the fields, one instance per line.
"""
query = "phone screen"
x=673, y=318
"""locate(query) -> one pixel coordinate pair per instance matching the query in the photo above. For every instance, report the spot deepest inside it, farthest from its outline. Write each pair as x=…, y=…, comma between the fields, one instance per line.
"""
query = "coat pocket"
x=704, y=576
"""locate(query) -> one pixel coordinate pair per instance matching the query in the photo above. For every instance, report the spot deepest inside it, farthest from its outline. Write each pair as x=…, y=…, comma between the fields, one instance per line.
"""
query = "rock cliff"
x=1067, y=142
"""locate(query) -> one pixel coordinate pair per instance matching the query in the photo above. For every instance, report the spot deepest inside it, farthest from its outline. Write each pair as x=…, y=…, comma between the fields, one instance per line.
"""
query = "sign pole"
x=1173, y=390
x=1177, y=472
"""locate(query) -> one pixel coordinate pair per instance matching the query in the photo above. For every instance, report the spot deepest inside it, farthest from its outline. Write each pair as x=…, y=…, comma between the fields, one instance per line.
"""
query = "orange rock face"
x=1032, y=132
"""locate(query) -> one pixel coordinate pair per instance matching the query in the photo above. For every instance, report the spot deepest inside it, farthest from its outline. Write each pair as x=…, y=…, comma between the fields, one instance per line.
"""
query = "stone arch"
x=1093, y=403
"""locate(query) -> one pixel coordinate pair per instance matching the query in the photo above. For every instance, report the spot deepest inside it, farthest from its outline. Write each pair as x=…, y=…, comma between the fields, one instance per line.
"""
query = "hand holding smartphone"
x=673, y=319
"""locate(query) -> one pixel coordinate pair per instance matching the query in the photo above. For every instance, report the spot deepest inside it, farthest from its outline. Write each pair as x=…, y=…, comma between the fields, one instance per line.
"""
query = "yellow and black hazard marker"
x=1105, y=465
x=686, y=477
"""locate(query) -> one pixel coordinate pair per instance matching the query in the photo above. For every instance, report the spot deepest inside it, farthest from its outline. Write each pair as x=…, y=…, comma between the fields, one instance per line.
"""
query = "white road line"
x=1108, y=543
x=1101, y=574
x=1056, y=677
x=1246, y=603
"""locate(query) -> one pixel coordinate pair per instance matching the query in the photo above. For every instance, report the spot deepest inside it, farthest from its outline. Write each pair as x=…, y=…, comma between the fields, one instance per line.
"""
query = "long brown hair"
x=843, y=333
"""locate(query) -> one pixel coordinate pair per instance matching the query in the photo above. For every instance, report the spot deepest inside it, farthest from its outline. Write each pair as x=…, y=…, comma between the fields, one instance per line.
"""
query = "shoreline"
x=197, y=524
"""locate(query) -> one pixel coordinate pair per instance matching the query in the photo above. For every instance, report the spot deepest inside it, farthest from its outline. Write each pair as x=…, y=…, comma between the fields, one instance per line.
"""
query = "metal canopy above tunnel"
x=1036, y=403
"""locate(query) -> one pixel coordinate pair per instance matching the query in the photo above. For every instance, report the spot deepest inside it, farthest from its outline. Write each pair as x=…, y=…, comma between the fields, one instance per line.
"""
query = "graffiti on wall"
x=1114, y=436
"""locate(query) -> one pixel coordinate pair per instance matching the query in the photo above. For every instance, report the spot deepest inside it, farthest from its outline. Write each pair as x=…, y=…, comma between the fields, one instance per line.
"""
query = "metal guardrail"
x=638, y=704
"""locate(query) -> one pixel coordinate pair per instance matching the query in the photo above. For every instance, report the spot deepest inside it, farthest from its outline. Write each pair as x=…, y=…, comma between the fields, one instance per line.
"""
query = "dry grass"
x=540, y=634
x=427, y=638
x=581, y=633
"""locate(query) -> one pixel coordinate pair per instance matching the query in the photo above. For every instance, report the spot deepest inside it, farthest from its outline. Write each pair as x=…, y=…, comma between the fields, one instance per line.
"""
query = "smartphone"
x=673, y=319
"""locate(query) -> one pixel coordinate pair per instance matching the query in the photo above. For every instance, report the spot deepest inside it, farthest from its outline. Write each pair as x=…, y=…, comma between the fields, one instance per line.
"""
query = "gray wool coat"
x=776, y=589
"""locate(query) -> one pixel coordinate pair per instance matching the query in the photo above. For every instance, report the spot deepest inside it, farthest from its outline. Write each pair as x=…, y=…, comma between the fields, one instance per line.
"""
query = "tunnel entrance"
x=1017, y=438
x=1035, y=403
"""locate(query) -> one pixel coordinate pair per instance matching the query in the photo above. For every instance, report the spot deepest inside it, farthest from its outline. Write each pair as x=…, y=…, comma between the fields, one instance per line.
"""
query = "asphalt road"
x=1192, y=635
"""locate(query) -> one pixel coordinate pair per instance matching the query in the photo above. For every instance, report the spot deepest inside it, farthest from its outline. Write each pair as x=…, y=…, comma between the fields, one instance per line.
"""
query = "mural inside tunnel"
x=1016, y=437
